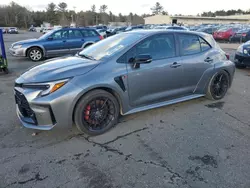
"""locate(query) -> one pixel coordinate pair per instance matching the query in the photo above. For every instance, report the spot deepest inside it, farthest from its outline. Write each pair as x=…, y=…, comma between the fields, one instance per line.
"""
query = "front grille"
x=24, y=107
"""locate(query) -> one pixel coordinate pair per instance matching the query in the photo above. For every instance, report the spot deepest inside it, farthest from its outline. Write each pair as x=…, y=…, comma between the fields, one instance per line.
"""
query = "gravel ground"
x=194, y=144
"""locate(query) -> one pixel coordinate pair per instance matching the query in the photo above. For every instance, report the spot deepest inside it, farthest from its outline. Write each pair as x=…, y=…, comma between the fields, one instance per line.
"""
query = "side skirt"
x=165, y=103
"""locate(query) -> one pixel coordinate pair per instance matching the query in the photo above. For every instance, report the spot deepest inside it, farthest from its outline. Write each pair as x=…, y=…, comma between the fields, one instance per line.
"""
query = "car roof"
x=74, y=28
x=160, y=31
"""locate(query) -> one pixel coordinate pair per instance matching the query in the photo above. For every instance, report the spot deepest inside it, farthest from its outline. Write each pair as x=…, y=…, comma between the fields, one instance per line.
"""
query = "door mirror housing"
x=140, y=59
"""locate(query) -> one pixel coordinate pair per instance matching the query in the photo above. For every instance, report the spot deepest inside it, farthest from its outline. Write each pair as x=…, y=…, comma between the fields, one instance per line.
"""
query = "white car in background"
x=102, y=32
x=46, y=30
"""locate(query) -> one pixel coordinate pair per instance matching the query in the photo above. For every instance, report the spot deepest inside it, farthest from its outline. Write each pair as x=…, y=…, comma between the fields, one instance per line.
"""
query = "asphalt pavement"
x=194, y=144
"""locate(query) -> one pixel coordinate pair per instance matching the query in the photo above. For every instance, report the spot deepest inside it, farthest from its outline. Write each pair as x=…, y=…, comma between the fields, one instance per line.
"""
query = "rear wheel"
x=35, y=54
x=96, y=112
x=218, y=86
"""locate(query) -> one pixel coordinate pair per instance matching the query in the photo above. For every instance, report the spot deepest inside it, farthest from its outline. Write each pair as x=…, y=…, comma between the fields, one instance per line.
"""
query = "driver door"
x=56, y=45
x=159, y=80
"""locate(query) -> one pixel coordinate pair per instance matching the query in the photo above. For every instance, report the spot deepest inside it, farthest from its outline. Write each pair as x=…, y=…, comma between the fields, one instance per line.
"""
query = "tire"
x=35, y=54
x=240, y=66
x=218, y=85
x=85, y=110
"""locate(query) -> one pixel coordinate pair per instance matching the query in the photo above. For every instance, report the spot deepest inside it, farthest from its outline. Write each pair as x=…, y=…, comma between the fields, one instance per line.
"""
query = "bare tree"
x=93, y=8
x=103, y=8
x=62, y=8
x=157, y=9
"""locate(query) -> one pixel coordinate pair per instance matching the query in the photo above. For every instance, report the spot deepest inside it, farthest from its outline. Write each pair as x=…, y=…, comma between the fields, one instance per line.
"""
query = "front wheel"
x=218, y=85
x=35, y=54
x=96, y=112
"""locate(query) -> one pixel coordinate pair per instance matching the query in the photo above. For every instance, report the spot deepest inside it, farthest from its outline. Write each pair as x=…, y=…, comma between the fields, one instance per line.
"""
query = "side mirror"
x=50, y=38
x=140, y=59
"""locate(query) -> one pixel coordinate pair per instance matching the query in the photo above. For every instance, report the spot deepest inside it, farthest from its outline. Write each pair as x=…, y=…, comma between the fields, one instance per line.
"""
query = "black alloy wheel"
x=96, y=112
x=218, y=85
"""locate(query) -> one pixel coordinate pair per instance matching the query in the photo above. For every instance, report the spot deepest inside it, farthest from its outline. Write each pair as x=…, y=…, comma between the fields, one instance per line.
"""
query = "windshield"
x=46, y=35
x=110, y=46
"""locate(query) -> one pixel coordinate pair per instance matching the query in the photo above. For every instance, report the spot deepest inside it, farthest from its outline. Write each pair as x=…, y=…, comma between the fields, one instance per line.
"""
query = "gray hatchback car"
x=123, y=74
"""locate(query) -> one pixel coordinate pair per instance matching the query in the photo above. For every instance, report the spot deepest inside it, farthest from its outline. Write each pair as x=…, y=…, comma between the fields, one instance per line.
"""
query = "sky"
x=184, y=7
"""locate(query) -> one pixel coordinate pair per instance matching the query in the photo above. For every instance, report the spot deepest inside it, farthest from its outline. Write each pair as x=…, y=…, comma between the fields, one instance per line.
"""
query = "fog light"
x=245, y=51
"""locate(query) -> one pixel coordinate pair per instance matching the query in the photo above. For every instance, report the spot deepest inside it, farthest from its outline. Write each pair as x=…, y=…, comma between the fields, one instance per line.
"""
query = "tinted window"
x=89, y=33
x=75, y=33
x=158, y=46
x=189, y=44
x=60, y=35
x=204, y=45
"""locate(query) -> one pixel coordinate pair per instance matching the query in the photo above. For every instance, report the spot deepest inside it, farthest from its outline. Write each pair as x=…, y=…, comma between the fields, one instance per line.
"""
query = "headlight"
x=17, y=46
x=47, y=88
x=240, y=49
x=245, y=51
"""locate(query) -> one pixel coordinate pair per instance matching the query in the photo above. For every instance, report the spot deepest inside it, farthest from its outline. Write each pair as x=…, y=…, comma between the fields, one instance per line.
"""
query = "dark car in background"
x=55, y=43
x=104, y=27
x=242, y=35
x=32, y=29
x=116, y=30
x=12, y=30
x=130, y=28
x=242, y=56
x=208, y=30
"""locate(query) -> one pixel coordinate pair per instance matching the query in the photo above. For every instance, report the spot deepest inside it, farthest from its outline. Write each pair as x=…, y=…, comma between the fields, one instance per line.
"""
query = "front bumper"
x=242, y=59
x=44, y=113
x=19, y=52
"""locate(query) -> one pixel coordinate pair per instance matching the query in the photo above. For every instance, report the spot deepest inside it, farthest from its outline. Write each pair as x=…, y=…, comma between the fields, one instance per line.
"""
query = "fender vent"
x=120, y=82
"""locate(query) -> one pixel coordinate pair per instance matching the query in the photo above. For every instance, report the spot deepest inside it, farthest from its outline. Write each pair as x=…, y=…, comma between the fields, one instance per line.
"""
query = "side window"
x=77, y=33
x=60, y=35
x=204, y=45
x=89, y=33
x=158, y=46
x=71, y=34
x=189, y=44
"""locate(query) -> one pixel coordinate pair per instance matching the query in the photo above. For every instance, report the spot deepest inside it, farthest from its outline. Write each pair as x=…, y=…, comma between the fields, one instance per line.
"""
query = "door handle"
x=64, y=41
x=175, y=65
x=208, y=60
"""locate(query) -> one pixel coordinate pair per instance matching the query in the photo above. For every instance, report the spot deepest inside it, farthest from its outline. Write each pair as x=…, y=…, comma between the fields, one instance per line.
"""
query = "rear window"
x=89, y=33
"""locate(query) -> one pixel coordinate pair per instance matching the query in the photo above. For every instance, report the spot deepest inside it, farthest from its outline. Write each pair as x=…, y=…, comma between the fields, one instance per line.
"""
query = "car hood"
x=57, y=69
x=25, y=41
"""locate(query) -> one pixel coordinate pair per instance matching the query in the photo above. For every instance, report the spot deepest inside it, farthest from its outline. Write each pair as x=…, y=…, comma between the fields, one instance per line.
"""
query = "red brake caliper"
x=87, y=112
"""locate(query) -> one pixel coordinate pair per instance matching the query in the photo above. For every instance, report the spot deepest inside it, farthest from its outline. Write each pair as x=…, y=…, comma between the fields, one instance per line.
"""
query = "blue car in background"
x=56, y=43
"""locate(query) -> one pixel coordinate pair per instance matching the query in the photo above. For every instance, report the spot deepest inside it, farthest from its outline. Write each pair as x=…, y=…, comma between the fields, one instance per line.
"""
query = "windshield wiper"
x=86, y=56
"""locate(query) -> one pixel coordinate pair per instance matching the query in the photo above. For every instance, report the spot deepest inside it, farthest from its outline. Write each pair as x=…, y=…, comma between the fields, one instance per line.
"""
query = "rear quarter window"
x=189, y=44
x=204, y=45
x=89, y=33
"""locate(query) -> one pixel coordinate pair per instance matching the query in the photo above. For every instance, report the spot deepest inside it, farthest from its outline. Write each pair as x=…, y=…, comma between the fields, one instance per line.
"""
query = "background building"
x=193, y=20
